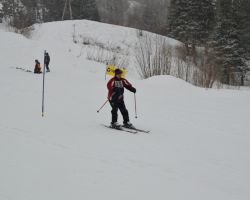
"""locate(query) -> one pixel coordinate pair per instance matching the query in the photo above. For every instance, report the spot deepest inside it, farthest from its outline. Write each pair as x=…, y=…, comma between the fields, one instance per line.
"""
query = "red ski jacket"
x=116, y=88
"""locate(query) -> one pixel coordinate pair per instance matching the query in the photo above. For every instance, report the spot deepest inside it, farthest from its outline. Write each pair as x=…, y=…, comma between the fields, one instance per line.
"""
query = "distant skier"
x=38, y=68
x=116, y=98
x=47, y=61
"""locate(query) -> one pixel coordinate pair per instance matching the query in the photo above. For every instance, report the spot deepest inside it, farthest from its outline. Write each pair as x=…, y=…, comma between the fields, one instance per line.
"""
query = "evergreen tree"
x=85, y=9
x=191, y=21
x=245, y=27
x=53, y=10
x=31, y=11
x=227, y=44
x=11, y=8
x=177, y=20
x=149, y=16
x=115, y=11
x=1, y=11
x=15, y=13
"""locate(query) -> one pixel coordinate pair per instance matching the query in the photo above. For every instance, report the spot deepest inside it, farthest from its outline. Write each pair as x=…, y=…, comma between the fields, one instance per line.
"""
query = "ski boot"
x=128, y=125
x=115, y=125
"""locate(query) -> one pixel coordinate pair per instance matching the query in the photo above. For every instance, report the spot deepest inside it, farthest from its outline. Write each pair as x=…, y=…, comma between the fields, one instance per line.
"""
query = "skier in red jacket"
x=116, y=87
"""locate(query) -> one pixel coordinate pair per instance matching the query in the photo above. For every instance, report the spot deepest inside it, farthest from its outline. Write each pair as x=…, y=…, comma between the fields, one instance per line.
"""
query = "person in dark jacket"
x=116, y=87
x=47, y=61
x=38, y=68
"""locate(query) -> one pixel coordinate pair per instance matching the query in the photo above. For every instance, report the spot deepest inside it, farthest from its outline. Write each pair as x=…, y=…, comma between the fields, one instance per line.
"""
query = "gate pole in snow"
x=43, y=85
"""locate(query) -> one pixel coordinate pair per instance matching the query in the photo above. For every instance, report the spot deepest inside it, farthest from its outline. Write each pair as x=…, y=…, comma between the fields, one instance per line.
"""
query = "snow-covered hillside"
x=198, y=148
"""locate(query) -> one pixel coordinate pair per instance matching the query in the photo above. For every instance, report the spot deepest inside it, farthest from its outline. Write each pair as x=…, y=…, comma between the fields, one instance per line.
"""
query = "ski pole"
x=103, y=106
x=43, y=86
x=135, y=107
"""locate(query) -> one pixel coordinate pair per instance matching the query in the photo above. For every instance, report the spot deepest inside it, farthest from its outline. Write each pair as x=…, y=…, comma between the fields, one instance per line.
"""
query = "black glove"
x=133, y=90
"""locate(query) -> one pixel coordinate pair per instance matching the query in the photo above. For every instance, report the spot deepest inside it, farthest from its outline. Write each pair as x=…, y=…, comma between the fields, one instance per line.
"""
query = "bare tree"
x=153, y=56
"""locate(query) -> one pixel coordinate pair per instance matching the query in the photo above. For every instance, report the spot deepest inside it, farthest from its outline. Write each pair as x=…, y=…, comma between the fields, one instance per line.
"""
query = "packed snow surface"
x=198, y=147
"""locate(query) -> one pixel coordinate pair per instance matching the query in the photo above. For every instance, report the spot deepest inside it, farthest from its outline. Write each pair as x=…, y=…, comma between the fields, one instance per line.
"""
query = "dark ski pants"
x=121, y=106
x=47, y=66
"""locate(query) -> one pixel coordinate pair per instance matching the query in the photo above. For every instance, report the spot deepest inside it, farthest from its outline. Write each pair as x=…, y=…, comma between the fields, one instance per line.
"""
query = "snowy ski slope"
x=198, y=148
